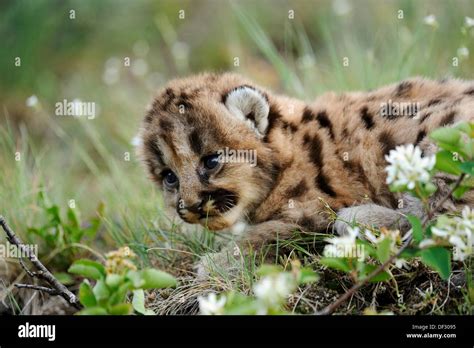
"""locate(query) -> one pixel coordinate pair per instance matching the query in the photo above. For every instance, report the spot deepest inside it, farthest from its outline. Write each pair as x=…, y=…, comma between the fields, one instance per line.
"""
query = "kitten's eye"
x=170, y=179
x=211, y=162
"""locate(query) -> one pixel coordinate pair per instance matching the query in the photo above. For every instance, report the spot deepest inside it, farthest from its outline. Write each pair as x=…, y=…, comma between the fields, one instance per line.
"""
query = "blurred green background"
x=70, y=158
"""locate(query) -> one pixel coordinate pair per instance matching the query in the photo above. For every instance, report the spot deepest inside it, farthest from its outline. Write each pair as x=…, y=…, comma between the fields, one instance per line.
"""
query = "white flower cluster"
x=407, y=166
x=458, y=231
x=273, y=290
x=211, y=305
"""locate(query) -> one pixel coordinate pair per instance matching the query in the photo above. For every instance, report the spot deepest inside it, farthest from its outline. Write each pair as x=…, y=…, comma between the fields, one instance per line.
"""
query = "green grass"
x=83, y=159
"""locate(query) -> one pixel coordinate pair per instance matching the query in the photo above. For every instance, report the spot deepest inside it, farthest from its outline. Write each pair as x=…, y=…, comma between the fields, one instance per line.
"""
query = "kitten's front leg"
x=231, y=259
x=378, y=216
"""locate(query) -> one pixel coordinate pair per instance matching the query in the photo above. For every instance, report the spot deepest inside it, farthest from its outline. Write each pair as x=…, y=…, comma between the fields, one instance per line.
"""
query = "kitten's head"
x=202, y=141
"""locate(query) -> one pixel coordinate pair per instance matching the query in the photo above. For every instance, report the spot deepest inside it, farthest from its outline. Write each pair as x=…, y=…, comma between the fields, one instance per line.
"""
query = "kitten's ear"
x=249, y=105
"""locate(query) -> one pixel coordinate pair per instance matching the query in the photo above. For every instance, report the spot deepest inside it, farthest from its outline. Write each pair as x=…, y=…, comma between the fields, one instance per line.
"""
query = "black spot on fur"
x=308, y=115
x=367, y=118
x=297, y=190
x=424, y=117
x=447, y=119
x=315, y=148
x=166, y=125
x=273, y=117
x=433, y=102
x=306, y=139
x=387, y=142
x=403, y=88
x=168, y=98
x=152, y=147
x=470, y=91
x=421, y=135
x=195, y=142
x=324, y=122
x=345, y=133
x=293, y=128
x=149, y=117
x=322, y=182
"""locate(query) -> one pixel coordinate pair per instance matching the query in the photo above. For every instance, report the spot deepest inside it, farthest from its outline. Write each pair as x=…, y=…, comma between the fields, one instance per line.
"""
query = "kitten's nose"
x=195, y=208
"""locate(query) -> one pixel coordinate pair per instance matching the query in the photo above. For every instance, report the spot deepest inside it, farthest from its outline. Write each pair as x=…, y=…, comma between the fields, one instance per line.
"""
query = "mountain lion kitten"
x=232, y=156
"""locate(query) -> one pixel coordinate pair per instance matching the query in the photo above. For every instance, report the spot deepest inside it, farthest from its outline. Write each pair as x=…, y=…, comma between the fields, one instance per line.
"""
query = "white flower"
x=431, y=20
x=458, y=231
x=32, y=101
x=469, y=22
x=339, y=245
x=463, y=52
x=274, y=289
x=407, y=166
x=211, y=305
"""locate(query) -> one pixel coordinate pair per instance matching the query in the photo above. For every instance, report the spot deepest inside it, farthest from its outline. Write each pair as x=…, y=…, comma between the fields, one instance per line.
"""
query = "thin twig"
x=56, y=287
x=37, y=287
x=329, y=309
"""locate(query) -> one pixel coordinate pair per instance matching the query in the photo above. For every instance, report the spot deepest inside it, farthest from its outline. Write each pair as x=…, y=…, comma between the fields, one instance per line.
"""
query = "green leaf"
x=439, y=259
x=138, y=303
x=93, y=311
x=307, y=276
x=446, y=135
x=86, y=295
x=113, y=280
x=101, y=291
x=409, y=253
x=154, y=279
x=119, y=295
x=464, y=127
x=88, y=269
x=54, y=215
x=460, y=191
x=64, y=278
x=136, y=277
x=72, y=217
x=383, y=249
x=336, y=263
x=467, y=167
x=446, y=163
x=121, y=309
x=368, y=269
x=416, y=227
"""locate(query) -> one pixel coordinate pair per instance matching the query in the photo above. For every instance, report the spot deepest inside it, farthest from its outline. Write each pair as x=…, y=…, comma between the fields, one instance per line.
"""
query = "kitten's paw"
x=222, y=264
